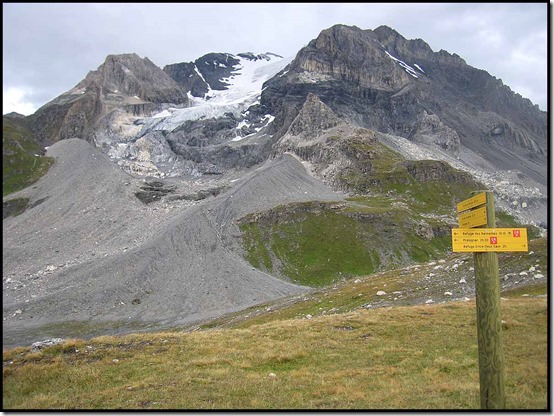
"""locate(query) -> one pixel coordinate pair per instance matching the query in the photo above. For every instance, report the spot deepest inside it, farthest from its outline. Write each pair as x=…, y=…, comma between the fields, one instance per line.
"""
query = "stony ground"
x=90, y=257
x=447, y=280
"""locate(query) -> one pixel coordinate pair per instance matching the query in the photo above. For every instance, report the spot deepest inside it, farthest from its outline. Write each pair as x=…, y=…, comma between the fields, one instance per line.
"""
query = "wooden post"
x=489, y=324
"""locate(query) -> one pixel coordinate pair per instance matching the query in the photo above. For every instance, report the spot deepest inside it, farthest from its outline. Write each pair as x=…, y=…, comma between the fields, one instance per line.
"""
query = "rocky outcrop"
x=185, y=74
x=331, y=152
x=313, y=118
x=432, y=130
x=435, y=170
x=40, y=345
x=153, y=191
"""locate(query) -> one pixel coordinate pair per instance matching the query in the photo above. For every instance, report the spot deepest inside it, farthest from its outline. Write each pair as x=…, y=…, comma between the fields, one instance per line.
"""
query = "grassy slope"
x=318, y=248
x=419, y=357
x=21, y=165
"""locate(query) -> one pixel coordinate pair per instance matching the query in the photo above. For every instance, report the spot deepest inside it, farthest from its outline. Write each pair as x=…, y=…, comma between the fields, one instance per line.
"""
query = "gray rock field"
x=91, y=258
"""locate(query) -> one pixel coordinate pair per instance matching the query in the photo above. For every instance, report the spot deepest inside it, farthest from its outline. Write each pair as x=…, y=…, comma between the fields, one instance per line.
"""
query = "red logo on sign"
x=516, y=233
x=494, y=240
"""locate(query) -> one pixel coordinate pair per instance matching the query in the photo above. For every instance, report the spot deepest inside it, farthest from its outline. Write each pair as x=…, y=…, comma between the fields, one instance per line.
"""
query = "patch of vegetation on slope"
x=427, y=186
x=22, y=160
x=400, y=212
x=316, y=243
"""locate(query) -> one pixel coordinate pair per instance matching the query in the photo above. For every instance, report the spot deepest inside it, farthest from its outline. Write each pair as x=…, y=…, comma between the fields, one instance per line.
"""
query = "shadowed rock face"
x=125, y=82
x=382, y=81
x=204, y=74
x=210, y=71
x=313, y=117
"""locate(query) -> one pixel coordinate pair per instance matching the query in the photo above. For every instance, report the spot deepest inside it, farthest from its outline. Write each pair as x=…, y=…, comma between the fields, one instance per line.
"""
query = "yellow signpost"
x=478, y=211
x=473, y=218
x=474, y=201
x=479, y=240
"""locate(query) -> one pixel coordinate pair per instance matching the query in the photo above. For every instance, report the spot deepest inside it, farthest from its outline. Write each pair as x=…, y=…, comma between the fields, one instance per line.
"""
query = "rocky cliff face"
x=382, y=81
x=123, y=82
x=128, y=75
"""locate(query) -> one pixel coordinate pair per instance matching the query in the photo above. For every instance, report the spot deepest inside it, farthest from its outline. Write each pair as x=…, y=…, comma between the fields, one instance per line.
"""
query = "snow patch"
x=210, y=91
x=404, y=65
x=242, y=124
x=164, y=113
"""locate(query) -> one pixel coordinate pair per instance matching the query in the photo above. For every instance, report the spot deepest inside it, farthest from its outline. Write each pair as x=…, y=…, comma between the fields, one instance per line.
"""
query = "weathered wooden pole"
x=489, y=324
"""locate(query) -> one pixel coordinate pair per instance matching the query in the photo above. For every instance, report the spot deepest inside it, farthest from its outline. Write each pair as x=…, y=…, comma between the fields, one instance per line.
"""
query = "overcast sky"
x=49, y=48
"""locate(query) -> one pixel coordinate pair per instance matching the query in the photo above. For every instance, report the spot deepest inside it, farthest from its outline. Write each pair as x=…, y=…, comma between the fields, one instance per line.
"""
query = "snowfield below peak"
x=244, y=89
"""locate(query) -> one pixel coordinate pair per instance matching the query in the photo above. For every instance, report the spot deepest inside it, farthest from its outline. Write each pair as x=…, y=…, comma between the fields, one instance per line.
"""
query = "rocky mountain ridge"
x=375, y=79
x=379, y=80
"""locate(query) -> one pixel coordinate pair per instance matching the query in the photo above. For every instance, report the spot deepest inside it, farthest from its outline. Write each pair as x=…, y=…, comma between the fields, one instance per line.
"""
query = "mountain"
x=423, y=104
x=124, y=84
x=23, y=160
x=210, y=186
x=382, y=81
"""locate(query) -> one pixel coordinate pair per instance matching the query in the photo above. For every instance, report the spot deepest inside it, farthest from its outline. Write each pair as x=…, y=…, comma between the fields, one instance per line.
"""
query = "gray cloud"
x=48, y=48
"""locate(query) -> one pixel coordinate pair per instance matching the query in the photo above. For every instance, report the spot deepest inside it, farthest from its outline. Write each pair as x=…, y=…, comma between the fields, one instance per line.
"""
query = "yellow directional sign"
x=489, y=239
x=474, y=201
x=473, y=218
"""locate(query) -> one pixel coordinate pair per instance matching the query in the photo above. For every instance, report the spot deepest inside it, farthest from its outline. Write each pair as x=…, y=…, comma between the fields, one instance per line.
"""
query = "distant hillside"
x=22, y=157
